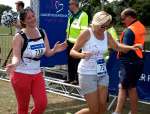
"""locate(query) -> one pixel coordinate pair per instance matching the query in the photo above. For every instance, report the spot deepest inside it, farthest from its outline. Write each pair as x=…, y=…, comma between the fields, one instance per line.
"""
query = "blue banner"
x=53, y=17
x=143, y=83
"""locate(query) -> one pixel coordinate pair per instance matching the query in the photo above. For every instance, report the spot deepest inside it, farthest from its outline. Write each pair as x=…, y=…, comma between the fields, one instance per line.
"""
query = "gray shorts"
x=90, y=83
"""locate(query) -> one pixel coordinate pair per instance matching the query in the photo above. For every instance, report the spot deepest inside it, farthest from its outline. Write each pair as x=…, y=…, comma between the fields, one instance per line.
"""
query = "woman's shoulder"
x=18, y=37
x=85, y=33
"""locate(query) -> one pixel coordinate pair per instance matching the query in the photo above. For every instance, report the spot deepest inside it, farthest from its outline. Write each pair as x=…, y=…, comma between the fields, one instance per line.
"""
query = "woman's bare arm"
x=82, y=39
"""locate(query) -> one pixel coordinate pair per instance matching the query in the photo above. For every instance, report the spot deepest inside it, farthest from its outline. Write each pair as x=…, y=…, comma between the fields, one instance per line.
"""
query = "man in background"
x=77, y=22
x=131, y=62
x=19, y=7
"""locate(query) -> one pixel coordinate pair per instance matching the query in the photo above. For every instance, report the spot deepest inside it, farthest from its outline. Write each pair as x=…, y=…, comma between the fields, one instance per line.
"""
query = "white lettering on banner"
x=145, y=78
x=59, y=6
x=148, y=78
x=54, y=15
x=142, y=78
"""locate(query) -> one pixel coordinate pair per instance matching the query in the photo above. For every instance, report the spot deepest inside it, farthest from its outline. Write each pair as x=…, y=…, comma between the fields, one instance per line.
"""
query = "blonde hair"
x=101, y=18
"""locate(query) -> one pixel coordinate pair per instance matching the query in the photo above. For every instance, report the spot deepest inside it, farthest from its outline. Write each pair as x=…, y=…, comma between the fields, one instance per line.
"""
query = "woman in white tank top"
x=93, y=77
x=25, y=73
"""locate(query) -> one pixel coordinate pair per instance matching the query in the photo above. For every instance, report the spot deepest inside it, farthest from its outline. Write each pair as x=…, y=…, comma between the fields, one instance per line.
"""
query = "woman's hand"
x=10, y=68
x=87, y=55
x=138, y=46
x=58, y=47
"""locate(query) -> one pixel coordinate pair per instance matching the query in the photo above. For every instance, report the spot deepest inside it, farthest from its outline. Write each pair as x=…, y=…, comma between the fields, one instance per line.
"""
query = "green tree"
x=141, y=6
x=90, y=7
x=3, y=8
x=143, y=10
x=117, y=6
x=93, y=6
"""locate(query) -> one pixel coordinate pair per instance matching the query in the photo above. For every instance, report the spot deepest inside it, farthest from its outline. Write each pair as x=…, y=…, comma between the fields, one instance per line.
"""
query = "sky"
x=12, y=3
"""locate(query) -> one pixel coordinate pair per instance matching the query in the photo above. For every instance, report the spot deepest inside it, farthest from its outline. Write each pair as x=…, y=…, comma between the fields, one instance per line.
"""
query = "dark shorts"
x=129, y=74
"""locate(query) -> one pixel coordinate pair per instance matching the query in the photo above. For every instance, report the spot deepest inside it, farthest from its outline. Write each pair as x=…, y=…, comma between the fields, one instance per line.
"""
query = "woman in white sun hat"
x=93, y=77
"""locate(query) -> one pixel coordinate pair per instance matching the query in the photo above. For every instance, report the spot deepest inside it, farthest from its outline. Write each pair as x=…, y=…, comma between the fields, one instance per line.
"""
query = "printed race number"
x=101, y=67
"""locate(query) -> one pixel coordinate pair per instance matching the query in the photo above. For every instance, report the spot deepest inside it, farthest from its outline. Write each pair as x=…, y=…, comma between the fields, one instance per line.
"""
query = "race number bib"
x=101, y=68
x=38, y=49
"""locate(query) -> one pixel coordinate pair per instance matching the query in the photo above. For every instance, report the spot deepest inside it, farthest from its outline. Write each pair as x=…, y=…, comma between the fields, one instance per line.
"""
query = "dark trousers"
x=72, y=64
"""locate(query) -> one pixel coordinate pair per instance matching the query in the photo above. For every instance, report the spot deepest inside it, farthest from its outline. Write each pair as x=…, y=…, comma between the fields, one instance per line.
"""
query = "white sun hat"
x=100, y=18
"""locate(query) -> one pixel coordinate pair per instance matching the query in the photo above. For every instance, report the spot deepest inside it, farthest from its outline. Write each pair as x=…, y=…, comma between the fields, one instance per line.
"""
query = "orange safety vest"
x=139, y=31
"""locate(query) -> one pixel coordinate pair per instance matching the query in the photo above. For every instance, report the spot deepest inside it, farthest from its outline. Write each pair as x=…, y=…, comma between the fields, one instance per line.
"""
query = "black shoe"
x=75, y=82
x=67, y=81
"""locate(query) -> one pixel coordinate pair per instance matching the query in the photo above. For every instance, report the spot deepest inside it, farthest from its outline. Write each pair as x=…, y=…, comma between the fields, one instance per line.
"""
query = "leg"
x=121, y=100
x=92, y=101
x=76, y=62
x=83, y=111
x=103, y=91
x=88, y=85
x=137, y=71
x=103, y=83
x=22, y=87
x=134, y=77
x=75, y=68
x=71, y=65
x=133, y=100
x=39, y=95
x=124, y=84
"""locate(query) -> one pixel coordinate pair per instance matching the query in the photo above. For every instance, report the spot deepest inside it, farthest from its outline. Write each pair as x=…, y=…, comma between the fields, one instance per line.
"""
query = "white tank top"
x=35, y=49
x=97, y=48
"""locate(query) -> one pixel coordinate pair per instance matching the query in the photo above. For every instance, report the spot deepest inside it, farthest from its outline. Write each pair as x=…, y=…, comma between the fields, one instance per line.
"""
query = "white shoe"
x=115, y=113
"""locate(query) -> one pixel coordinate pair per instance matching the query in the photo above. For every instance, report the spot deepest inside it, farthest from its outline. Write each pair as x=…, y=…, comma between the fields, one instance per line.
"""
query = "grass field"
x=56, y=104
x=6, y=35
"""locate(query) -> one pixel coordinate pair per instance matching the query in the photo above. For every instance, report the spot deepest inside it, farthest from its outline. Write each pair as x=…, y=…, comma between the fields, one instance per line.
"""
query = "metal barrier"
x=64, y=89
x=5, y=46
x=57, y=86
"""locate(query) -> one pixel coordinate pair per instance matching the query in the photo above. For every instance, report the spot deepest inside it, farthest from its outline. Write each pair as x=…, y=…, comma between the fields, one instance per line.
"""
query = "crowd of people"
x=85, y=46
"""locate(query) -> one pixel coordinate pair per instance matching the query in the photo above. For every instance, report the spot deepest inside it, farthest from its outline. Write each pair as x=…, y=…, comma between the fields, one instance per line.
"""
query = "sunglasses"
x=104, y=26
x=72, y=3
